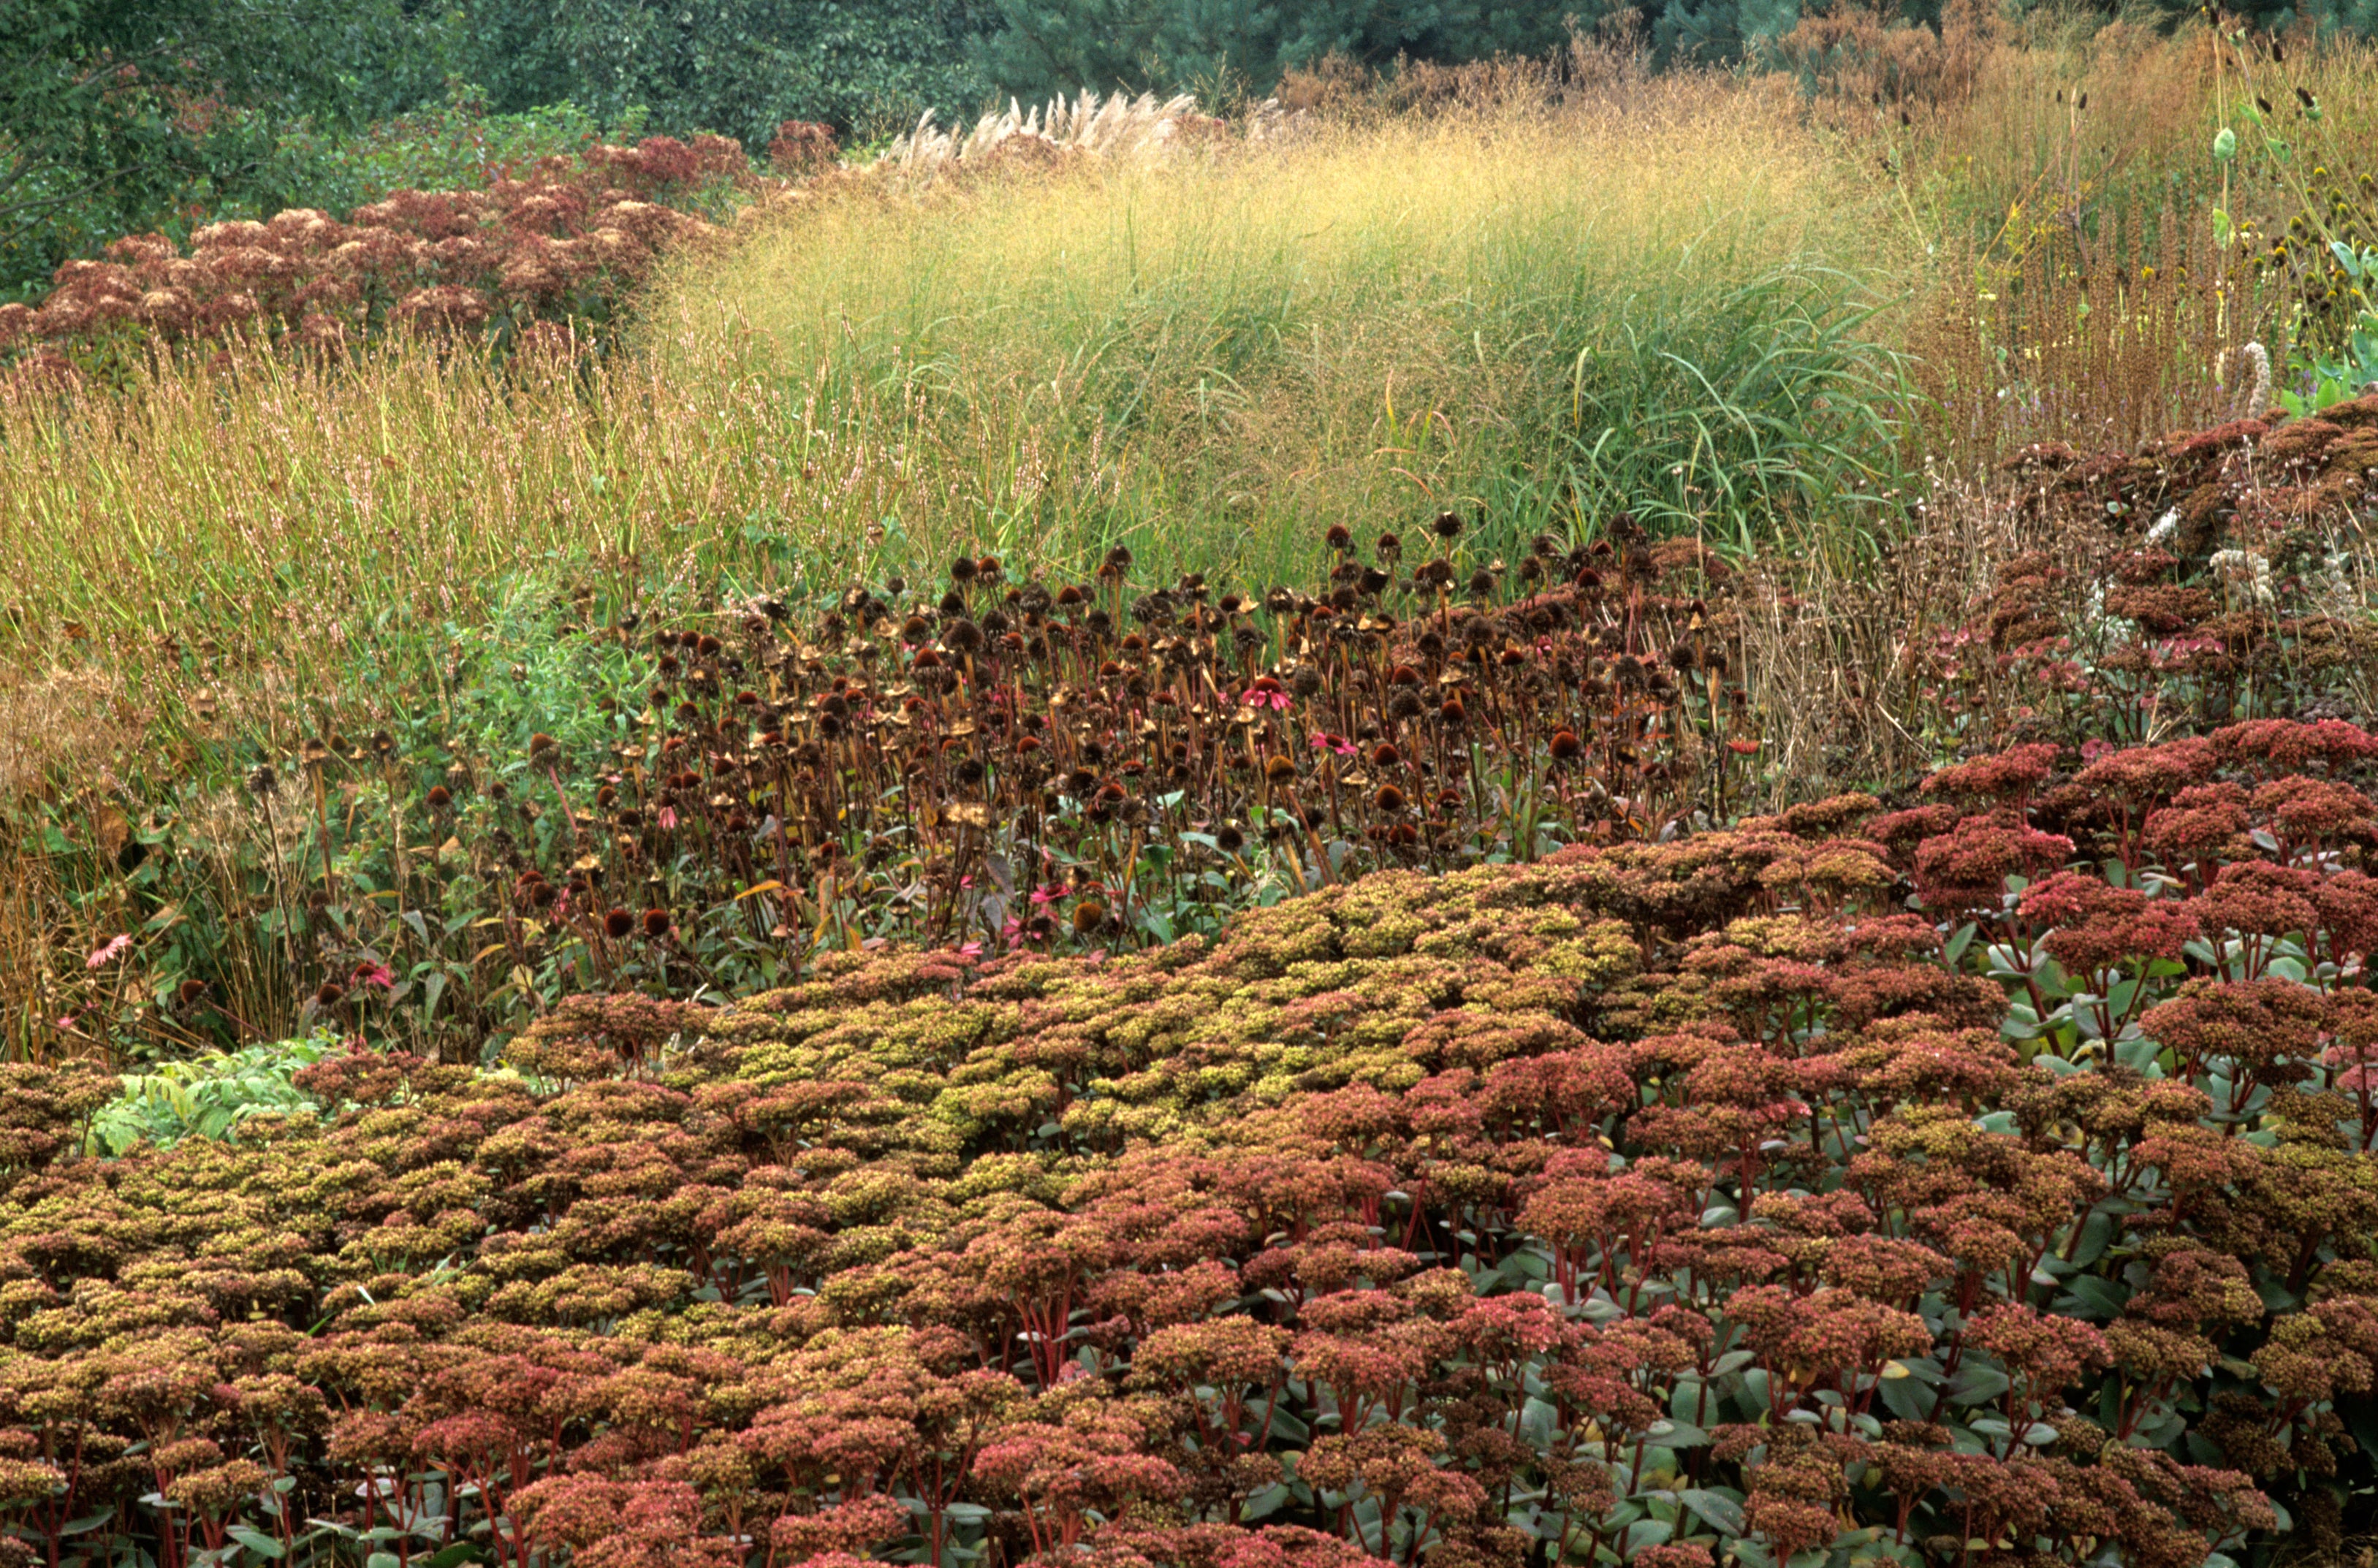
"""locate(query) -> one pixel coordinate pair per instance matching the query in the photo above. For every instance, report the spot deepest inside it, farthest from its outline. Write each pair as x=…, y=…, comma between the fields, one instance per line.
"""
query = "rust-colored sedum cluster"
x=563, y=241
x=1667, y=1203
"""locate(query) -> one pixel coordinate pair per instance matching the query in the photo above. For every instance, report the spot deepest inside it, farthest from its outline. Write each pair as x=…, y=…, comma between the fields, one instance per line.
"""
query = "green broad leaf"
x=1954, y=949
x=1978, y=1384
x=1646, y=1533
x=1722, y=1512
x=257, y=1542
x=1263, y=1503
x=1678, y=1434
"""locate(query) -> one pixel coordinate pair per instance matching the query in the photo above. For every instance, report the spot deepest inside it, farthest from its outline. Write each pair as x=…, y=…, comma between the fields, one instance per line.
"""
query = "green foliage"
x=736, y=67
x=1043, y=47
x=1697, y=420
x=208, y=1096
x=457, y=144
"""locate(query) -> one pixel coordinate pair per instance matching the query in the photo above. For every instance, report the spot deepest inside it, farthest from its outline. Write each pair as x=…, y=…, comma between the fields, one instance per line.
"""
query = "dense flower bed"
x=563, y=241
x=1660, y=1204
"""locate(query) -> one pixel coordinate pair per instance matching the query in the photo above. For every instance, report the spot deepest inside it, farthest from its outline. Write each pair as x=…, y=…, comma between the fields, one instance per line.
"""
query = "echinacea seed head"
x=656, y=922
x=1279, y=770
x=618, y=924
x=439, y=797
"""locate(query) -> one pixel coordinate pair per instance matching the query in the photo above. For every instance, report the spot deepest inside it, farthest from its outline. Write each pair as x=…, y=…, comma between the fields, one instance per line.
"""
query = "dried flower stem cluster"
x=1001, y=765
x=1659, y=1204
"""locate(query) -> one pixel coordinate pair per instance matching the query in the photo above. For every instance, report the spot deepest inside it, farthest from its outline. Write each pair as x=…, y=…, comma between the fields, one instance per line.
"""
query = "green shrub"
x=206, y=1097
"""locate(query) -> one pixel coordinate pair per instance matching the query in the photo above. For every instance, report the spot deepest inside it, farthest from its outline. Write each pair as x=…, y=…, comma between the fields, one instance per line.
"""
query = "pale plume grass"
x=1117, y=125
x=1226, y=354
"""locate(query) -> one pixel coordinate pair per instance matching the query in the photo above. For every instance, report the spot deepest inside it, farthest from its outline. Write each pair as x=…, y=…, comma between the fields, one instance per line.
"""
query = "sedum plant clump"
x=1983, y=1181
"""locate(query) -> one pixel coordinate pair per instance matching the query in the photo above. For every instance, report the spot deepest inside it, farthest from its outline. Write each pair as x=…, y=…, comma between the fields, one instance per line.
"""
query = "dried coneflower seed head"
x=1452, y=712
x=1385, y=755
x=1389, y=798
x=440, y=799
x=1088, y=916
x=1337, y=537
x=656, y=922
x=1565, y=745
x=329, y=995
x=189, y=991
x=543, y=895
x=1279, y=770
x=542, y=747
x=1227, y=838
x=962, y=569
x=1120, y=557
x=618, y=924
x=1448, y=525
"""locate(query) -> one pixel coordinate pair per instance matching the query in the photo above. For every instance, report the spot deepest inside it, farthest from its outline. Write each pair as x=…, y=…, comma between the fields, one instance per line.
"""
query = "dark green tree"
x=1043, y=47
x=737, y=68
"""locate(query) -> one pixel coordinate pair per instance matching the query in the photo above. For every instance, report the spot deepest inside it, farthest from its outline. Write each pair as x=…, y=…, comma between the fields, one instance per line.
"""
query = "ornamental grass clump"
x=1728, y=1199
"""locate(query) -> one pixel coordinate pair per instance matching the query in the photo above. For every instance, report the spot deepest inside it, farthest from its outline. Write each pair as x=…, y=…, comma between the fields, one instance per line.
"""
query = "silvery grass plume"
x=1088, y=124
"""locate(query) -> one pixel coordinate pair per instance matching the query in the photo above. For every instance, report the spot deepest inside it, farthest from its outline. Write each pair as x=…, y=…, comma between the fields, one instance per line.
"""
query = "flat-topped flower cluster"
x=1672, y=1204
x=563, y=241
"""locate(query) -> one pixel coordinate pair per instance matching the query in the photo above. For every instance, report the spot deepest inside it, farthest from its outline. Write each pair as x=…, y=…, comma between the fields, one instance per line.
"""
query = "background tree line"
x=118, y=117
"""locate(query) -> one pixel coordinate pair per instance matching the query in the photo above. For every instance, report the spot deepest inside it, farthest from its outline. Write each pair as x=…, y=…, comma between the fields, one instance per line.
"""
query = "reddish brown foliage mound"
x=563, y=241
x=1662, y=1203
